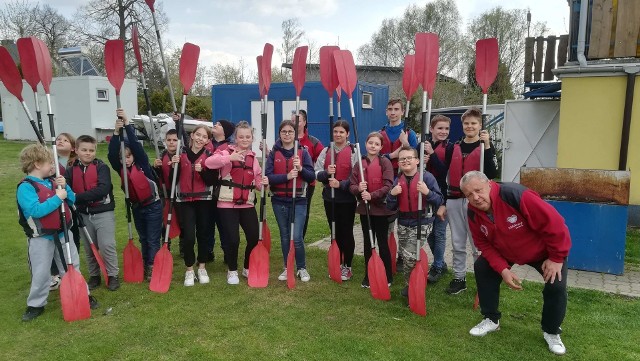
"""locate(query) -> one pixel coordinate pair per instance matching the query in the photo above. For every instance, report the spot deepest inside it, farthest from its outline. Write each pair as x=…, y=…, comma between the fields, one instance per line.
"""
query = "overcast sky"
x=227, y=30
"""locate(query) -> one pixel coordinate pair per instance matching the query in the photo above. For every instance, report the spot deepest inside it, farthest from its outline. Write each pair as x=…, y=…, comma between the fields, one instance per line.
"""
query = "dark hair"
x=86, y=139
x=394, y=101
x=171, y=132
x=286, y=122
x=409, y=149
x=303, y=114
x=439, y=118
x=341, y=123
x=472, y=112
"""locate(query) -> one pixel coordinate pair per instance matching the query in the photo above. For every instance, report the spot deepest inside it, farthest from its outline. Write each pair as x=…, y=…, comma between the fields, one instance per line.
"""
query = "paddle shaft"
x=166, y=69
x=39, y=134
x=484, y=115
x=332, y=149
x=38, y=112
x=295, y=153
x=263, y=195
x=147, y=101
x=175, y=170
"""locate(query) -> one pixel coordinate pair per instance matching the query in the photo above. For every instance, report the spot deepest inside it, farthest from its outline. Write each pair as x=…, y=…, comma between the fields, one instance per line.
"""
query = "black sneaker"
x=435, y=273
x=148, y=271
x=114, y=283
x=31, y=313
x=94, y=282
x=365, y=283
x=93, y=302
x=405, y=291
x=456, y=286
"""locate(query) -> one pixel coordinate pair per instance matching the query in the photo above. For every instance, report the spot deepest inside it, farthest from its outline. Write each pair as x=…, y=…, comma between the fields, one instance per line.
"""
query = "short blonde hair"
x=34, y=154
x=243, y=124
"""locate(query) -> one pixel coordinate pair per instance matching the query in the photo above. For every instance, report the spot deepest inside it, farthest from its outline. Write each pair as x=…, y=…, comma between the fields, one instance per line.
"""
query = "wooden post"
x=563, y=49
x=550, y=59
x=537, y=74
x=528, y=59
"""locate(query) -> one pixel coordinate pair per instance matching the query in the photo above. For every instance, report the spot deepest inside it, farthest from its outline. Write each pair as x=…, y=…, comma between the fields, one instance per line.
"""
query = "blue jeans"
x=148, y=221
x=283, y=213
x=437, y=240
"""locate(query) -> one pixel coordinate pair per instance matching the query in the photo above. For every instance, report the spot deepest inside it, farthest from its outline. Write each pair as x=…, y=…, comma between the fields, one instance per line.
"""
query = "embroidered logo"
x=484, y=230
x=512, y=219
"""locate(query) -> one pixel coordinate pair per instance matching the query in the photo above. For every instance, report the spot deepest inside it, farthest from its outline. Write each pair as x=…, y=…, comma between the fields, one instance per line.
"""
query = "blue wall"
x=233, y=102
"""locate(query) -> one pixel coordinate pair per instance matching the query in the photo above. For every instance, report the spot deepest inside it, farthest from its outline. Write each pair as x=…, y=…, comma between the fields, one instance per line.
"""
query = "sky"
x=230, y=30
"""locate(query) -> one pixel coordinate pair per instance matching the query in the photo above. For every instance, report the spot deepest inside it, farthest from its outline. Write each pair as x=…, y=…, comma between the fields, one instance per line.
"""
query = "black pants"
x=554, y=295
x=310, y=190
x=380, y=228
x=345, y=216
x=195, y=218
x=233, y=219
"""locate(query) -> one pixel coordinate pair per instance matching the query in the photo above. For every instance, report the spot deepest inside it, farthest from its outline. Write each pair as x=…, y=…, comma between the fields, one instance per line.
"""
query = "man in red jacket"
x=510, y=225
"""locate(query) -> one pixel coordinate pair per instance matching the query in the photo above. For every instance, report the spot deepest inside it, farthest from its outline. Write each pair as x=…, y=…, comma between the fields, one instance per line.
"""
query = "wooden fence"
x=541, y=55
x=615, y=29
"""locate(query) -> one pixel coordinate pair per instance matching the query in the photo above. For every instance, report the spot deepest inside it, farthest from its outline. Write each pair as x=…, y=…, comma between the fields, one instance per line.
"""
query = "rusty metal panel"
x=578, y=185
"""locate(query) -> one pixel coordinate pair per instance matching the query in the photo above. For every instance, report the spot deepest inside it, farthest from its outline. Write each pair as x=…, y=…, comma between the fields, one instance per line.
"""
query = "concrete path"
x=628, y=284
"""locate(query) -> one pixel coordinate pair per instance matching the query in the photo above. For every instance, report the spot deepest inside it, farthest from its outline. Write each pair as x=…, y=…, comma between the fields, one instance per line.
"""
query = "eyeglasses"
x=286, y=132
x=406, y=159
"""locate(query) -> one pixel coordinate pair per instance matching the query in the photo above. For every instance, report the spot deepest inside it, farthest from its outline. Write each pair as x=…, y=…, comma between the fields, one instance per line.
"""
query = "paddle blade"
x=393, y=250
x=346, y=70
x=299, y=68
x=338, y=92
x=424, y=261
x=259, y=266
x=174, y=231
x=476, y=302
x=417, y=285
x=43, y=59
x=100, y=261
x=328, y=75
x=9, y=74
x=260, y=80
x=74, y=297
x=486, y=62
x=266, y=236
x=28, y=62
x=132, y=263
x=162, y=270
x=333, y=260
x=114, y=63
x=267, y=54
x=136, y=47
x=188, y=66
x=291, y=265
x=409, y=79
x=150, y=3
x=378, y=278
x=426, y=60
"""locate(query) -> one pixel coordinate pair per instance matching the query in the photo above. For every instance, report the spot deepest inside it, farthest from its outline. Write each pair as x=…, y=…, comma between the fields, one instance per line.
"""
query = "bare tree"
x=52, y=28
x=18, y=19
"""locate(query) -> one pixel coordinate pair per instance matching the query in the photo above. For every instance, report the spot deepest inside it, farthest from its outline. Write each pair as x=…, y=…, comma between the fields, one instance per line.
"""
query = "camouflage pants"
x=407, y=238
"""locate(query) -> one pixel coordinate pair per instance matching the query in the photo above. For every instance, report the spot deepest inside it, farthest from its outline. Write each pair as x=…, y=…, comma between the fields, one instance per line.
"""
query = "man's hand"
x=422, y=188
x=551, y=270
x=122, y=115
x=511, y=279
x=362, y=186
x=404, y=138
x=292, y=174
x=396, y=190
x=428, y=149
x=334, y=183
x=442, y=212
x=484, y=136
x=366, y=196
x=157, y=163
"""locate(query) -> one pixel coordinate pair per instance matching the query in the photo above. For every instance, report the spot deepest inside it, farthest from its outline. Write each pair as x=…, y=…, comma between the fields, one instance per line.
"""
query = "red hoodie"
x=524, y=229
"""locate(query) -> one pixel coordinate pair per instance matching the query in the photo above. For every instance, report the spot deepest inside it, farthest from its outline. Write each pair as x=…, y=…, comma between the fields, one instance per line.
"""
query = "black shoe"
x=31, y=313
x=114, y=283
x=435, y=273
x=94, y=282
x=405, y=291
x=456, y=286
x=365, y=283
x=148, y=271
x=93, y=302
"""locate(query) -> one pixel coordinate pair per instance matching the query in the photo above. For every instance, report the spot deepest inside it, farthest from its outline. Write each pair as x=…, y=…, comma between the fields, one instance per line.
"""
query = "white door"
x=256, y=123
x=289, y=107
x=530, y=136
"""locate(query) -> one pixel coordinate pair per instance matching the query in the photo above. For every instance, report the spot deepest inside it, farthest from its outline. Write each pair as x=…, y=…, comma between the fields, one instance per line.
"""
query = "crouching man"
x=510, y=225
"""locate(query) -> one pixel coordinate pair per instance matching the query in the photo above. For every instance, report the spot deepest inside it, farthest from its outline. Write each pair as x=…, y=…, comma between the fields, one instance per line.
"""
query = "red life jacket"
x=460, y=166
x=408, y=199
x=282, y=165
x=140, y=192
x=166, y=169
x=86, y=180
x=237, y=186
x=440, y=150
x=388, y=146
x=191, y=187
x=343, y=162
x=373, y=174
x=49, y=224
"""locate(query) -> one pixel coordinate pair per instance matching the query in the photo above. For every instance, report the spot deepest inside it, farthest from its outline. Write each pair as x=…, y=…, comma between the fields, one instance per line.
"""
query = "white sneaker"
x=555, y=343
x=484, y=327
x=346, y=273
x=203, y=277
x=232, y=277
x=245, y=273
x=304, y=275
x=55, y=283
x=189, y=278
x=283, y=275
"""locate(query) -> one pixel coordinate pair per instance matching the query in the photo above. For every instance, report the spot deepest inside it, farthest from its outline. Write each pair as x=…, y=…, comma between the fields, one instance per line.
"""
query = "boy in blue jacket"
x=143, y=190
x=403, y=197
x=39, y=202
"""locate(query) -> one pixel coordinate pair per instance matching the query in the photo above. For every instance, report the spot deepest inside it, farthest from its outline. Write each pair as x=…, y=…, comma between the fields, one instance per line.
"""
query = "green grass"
x=632, y=253
x=317, y=321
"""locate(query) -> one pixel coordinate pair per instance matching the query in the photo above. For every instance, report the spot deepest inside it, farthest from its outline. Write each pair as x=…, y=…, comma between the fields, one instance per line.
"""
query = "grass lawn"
x=317, y=321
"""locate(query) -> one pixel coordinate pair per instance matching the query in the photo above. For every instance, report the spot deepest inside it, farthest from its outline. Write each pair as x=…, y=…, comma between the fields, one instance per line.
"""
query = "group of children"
x=216, y=184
